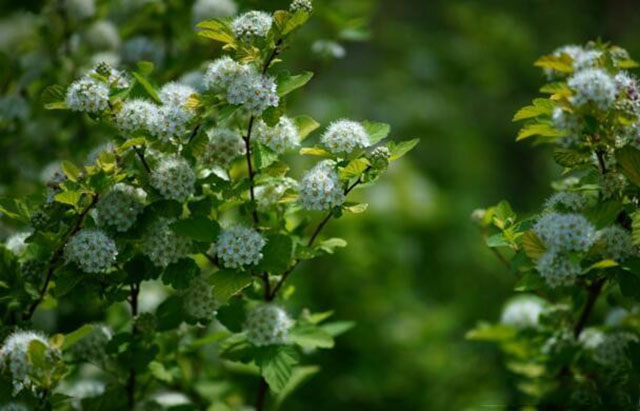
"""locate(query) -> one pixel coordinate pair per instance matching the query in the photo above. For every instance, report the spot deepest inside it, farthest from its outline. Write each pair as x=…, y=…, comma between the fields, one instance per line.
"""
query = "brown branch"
x=247, y=144
x=142, y=159
x=57, y=256
x=594, y=291
x=131, y=382
x=194, y=133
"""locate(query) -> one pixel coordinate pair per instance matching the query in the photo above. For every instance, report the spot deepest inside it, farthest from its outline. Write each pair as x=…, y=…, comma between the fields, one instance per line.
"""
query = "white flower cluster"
x=271, y=193
x=238, y=246
x=305, y=5
x=91, y=250
x=586, y=59
x=590, y=338
x=251, y=24
x=213, y=9
x=268, y=324
x=281, y=137
x=617, y=243
x=92, y=347
x=121, y=206
x=198, y=299
x=592, y=86
x=522, y=312
x=558, y=268
x=254, y=91
x=222, y=73
x=142, y=49
x=87, y=94
x=565, y=232
x=114, y=78
x=16, y=242
x=103, y=34
x=169, y=121
x=136, y=115
x=176, y=94
x=344, y=136
x=224, y=146
x=568, y=200
x=162, y=245
x=320, y=188
x=13, y=354
x=173, y=178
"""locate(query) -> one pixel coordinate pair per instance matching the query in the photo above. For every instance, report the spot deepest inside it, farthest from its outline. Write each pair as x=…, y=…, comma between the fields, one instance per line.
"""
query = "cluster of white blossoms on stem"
x=114, y=78
x=174, y=178
x=91, y=250
x=344, y=136
x=617, y=243
x=16, y=243
x=92, y=347
x=87, y=94
x=251, y=24
x=121, y=206
x=305, y=5
x=136, y=115
x=558, y=268
x=281, y=137
x=198, y=299
x=320, y=188
x=162, y=245
x=14, y=355
x=267, y=324
x=568, y=200
x=565, y=232
x=592, y=86
x=272, y=192
x=238, y=246
x=222, y=73
x=174, y=93
x=169, y=121
x=213, y=9
x=224, y=146
x=254, y=91
x=522, y=312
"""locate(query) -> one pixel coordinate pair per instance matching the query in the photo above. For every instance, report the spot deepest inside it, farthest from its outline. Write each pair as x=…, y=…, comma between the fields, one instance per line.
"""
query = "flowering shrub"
x=195, y=195
x=579, y=257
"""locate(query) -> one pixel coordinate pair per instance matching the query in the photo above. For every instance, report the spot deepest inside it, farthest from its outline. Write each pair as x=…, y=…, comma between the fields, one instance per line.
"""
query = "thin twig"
x=594, y=291
x=55, y=258
x=247, y=143
x=142, y=159
x=131, y=382
x=194, y=133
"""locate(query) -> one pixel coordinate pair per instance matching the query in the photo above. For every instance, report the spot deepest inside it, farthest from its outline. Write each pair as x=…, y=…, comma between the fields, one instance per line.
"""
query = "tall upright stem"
x=131, y=381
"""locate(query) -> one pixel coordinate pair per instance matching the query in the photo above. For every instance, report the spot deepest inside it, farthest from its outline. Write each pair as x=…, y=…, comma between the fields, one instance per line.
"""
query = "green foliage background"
x=416, y=275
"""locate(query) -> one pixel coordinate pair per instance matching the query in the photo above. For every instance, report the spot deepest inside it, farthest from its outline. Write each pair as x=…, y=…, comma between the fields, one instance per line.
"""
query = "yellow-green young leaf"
x=140, y=141
x=145, y=67
x=562, y=63
x=569, y=158
x=533, y=246
x=287, y=83
x=399, y=150
x=376, y=131
x=218, y=30
x=600, y=265
x=539, y=129
x=276, y=364
x=69, y=197
x=356, y=208
x=635, y=228
x=628, y=64
x=315, y=151
x=159, y=372
x=296, y=20
x=488, y=332
x=71, y=171
x=305, y=125
x=58, y=105
x=629, y=159
x=355, y=168
x=75, y=336
x=557, y=87
x=310, y=336
x=540, y=106
x=329, y=245
x=527, y=369
x=37, y=354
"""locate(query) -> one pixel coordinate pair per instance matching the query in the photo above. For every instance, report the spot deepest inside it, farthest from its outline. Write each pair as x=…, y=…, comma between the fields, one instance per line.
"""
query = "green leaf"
x=180, y=273
x=539, y=129
x=197, y=228
x=66, y=280
x=227, y=283
x=533, y=246
x=402, y=148
x=541, y=106
x=604, y=213
x=69, y=197
x=310, y=336
x=296, y=20
x=170, y=313
x=160, y=373
x=147, y=87
x=337, y=328
x=288, y=83
x=355, y=168
x=53, y=97
x=277, y=254
x=635, y=228
x=489, y=332
x=37, y=354
x=71, y=171
x=529, y=282
x=315, y=151
x=75, y=336
x=218, y=30
x=264, y=156
x=14, y=209
x=569, y=158
x=330, y=244
x=629, y=159
x=562, y=63
x=145, y=68
x=298, y=377
x=305, y=125
x=376, y=131
x=276, y=364
x=139, y=141
x=629, y=284
x=355, y=208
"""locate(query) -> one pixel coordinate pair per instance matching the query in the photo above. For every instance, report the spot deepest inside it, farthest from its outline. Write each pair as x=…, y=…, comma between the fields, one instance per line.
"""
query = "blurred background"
x=416, y=275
